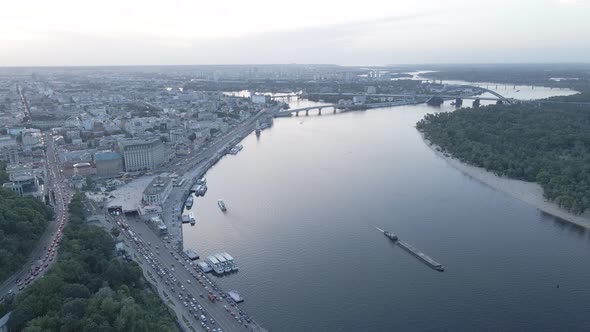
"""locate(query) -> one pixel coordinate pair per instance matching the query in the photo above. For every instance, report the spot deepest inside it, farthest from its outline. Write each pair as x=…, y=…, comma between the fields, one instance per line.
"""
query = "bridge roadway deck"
x=407, y=96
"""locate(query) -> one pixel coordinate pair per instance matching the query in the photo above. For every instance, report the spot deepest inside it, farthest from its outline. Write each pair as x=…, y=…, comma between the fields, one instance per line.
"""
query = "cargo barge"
x=421, y=256
x=415, y=252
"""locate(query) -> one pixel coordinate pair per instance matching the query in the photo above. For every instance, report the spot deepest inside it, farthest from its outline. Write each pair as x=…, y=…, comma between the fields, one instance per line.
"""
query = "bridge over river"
x=401, y=99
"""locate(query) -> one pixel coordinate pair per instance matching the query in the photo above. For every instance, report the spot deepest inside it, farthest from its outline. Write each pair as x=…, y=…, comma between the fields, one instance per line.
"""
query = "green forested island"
x=89, y=288
x=547, y=143
x=22, y=221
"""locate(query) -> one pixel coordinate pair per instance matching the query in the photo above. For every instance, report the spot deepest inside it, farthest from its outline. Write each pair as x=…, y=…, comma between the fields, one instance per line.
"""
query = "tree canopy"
x=3, y=175
x=89, y=288
x=22, y=221
x=546, y=143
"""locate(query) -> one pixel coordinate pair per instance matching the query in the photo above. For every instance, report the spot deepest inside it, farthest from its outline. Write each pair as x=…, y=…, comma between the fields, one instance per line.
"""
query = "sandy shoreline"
x=528, y=192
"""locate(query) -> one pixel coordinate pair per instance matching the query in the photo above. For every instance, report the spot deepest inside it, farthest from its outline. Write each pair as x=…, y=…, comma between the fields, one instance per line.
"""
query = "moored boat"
x=189, y=202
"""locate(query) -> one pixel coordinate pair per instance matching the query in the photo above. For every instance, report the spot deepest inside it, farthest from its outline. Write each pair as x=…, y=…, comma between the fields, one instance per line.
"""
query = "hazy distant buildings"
x=143, y=154
x=359, y=99
x=9, y=150
x=260, y=99
x=31, y=138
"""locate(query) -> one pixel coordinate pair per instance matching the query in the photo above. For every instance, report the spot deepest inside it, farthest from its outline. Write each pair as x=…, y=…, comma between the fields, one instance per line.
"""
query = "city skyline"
x=64, y=33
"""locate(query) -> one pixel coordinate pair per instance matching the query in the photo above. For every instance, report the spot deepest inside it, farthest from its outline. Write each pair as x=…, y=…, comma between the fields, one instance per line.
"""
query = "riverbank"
x=528, y=192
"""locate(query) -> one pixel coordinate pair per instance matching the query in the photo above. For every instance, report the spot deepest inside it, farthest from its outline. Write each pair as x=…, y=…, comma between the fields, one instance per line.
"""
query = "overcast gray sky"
x=368, y=32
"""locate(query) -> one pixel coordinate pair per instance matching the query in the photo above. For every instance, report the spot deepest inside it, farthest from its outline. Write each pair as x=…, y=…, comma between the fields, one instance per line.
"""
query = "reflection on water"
x=564, y=224
x=302, y=201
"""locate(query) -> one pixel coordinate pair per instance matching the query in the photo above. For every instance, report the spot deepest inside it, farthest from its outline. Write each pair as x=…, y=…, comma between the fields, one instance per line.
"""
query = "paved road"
x=133, y=250
x=173, y=275
x=46, y=248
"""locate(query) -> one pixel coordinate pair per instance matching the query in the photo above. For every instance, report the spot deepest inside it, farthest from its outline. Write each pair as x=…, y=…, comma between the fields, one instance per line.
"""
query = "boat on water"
x=257, y=130
x=218, y=269
x=226, y=264
x=215, y=265
x=230, y=260
x=222, y=263
x=236, y=149
x=415, y=252
x=185, y=219
x=199, y=189
x=192, y=219
x=390, y=236
x=189, y=202
x=221, y=205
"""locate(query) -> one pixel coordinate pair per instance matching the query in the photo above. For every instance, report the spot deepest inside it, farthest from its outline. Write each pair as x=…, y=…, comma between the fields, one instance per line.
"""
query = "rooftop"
x=107, y=155
x=158, y=185
x=136, y=141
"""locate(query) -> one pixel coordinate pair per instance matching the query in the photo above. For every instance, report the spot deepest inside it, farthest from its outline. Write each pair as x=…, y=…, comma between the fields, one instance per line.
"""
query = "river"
x=302, y=201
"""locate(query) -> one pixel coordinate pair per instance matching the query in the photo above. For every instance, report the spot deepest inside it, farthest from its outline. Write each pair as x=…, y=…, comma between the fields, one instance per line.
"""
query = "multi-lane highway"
x=180, y=282
x=45, y=251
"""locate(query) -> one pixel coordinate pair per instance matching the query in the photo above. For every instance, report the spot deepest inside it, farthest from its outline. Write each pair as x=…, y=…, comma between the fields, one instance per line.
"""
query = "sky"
x=367, y=32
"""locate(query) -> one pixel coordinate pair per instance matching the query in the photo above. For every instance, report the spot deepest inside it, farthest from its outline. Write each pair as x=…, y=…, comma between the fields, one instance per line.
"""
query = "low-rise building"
x=24, y=181
x=260, y=99
x=157, y=191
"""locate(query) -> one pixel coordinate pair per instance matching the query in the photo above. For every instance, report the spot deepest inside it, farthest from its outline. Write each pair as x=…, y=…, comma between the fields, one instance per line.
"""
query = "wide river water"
x=302, y=202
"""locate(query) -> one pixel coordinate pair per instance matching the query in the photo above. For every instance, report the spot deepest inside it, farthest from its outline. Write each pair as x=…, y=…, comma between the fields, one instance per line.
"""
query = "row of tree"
x=89, y=288
x=3, y=175
x=22, y=221
x=547, y=143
